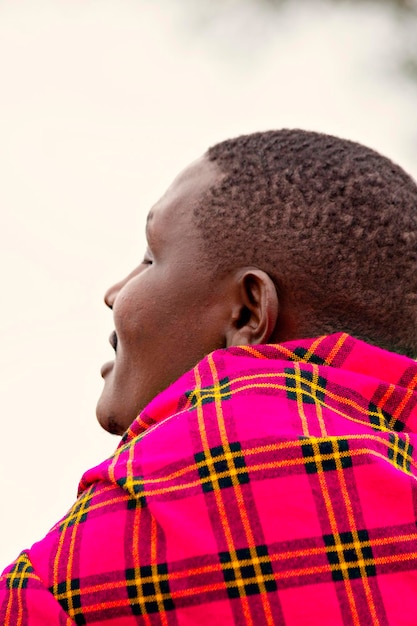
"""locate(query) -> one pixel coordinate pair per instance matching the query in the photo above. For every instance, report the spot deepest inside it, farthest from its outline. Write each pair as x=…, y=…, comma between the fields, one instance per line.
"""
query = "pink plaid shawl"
x=270, y=485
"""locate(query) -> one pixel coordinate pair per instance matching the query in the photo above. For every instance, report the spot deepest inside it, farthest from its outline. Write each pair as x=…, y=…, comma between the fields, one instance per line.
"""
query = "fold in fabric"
x=273, y=484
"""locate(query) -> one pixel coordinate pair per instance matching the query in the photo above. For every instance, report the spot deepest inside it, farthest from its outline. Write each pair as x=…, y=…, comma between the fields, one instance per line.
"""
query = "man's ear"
x=255, y=309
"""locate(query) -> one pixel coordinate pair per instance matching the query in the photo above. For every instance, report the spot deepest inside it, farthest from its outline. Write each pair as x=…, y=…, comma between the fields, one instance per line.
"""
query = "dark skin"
x=171, y=311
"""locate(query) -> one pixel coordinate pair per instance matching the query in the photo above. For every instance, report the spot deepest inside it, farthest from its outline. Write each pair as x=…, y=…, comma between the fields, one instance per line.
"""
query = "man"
x=263, y=385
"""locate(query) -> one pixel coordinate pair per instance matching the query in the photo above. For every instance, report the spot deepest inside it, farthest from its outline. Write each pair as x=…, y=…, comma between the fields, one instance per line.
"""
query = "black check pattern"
x=379, y=418
x=79, y=512
x=327, y=455
x=148, y=589
x=312, y=358
x=221, y=467
x=350, y=555
x=304, y=385
x=400, y=452
x=135, y=486
x=205, y=395
x=19, y=575
x=247, y=571
x=68, y=594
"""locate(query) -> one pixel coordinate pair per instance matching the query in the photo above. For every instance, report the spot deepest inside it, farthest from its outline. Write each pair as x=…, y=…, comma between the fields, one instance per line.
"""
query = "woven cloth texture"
x=273, y=484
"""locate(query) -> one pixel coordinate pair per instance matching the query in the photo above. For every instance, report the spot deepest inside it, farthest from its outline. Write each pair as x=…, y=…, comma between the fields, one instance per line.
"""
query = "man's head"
x=268, y=237
x=333, y=223
x=172, y=309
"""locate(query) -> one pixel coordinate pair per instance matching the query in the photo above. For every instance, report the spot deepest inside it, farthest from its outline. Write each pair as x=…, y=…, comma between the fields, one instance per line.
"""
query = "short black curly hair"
x=332, y=222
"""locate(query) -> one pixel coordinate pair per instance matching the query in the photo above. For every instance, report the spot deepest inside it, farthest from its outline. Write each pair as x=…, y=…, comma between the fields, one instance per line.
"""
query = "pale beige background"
x=101, y=104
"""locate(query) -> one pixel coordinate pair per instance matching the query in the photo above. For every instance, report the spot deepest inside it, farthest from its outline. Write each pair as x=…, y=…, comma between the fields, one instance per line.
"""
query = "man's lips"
x=113, y=340
x=107, y=367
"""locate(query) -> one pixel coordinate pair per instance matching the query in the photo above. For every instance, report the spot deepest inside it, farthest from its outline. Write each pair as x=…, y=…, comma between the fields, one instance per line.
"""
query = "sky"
x=103, y=103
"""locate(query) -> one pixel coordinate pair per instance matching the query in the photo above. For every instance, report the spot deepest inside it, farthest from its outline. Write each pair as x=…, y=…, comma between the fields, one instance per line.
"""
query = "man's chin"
x=113, y=427
x=107, y=418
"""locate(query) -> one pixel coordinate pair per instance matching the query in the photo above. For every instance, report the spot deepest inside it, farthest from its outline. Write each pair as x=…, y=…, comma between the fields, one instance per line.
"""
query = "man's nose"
x=111, y=293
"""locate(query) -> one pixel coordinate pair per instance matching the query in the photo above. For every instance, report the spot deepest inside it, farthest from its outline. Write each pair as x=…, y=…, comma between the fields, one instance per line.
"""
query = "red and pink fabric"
x=272, y=484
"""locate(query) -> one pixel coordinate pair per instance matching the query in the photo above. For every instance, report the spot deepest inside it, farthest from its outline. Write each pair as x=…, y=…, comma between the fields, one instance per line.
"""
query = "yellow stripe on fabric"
x=286, y=352
x=387, y=395
x=113, y=464
x=20, y=575
x=306, y=552
x=295, y=443
x=120, y=584
x=266, y=465
x=135, y=543
x=16, y=582
x=299, y=395
x=404, y=452
x=240, y=502
x=124, y=602
x=200, y=415
x=70, y=519
x=217, y=399
x=413, y=383
x=313, y=347
x=149, y=429
x=273, y=447
x=261, y=467
x=193, y=589
x=141, y=422
x=292, y=356
x=65, y=525
x=246, y=610
x=250, y=540
x=254, y=352
x=20, y=607
x=225, y=443
x=340, y=547
x=379, y=541
x=206, y=448
x=317, y=405
x=281, y=349
x=147, y=619
x=357, y=543
x=244, y=516
x=280, y=387
x=336, y=348
x=74, y=532
x=333, y=525
x=15, y=593
x=129, y=484
x=389, y=445
x=392, y=558
x=347, y=402
x=159, y=597
x=321, y=569
x=345, y=492
x=409, y=393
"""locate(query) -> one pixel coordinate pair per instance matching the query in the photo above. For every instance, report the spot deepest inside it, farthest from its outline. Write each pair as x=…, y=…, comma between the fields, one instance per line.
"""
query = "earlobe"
x=255, y=313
